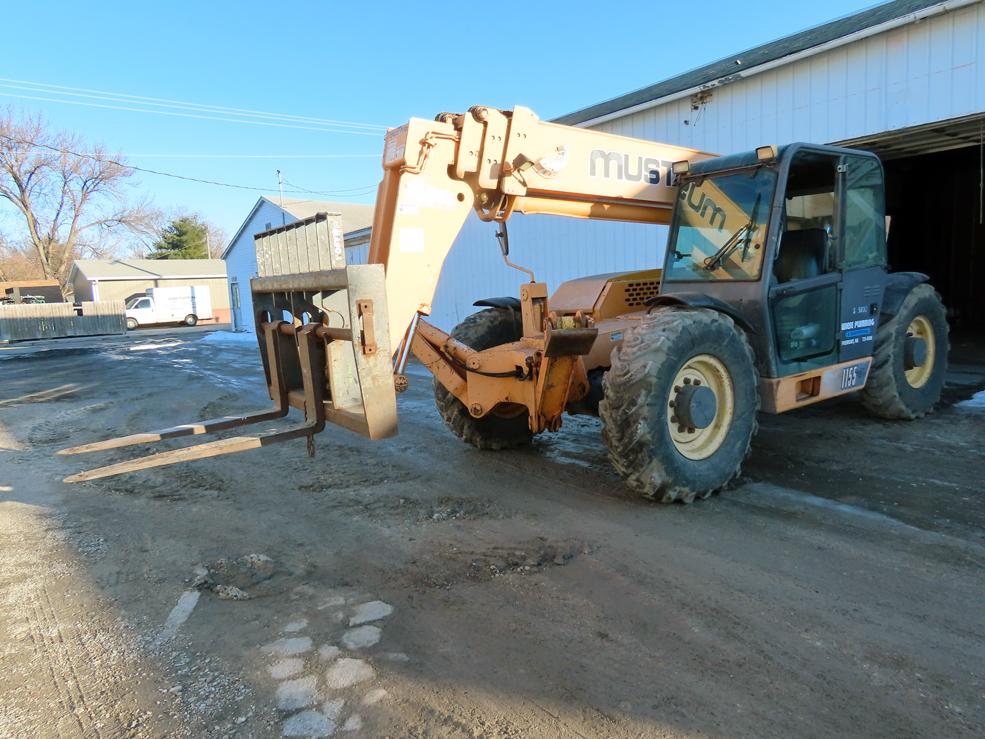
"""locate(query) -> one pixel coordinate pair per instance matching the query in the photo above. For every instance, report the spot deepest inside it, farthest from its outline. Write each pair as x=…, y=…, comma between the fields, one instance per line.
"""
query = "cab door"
x=862, y=254
x=805, y=290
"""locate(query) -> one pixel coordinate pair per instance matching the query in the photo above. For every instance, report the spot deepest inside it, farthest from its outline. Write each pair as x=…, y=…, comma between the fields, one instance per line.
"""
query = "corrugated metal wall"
x=916, y=74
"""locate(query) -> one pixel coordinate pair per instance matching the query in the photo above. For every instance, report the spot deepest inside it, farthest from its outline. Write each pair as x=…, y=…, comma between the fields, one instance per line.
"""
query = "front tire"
x=190, y=320
x=500, y=429
x=670, y=438
x=132, y=324
x=910, y=358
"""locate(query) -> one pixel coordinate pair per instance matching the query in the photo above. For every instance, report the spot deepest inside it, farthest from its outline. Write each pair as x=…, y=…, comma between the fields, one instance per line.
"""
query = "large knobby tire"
x=652, y=448
x=898, y=386
x=499, y=429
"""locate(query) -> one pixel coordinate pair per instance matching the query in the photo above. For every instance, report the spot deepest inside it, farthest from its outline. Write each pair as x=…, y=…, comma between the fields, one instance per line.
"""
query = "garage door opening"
x=934, y=201
x=934, y=195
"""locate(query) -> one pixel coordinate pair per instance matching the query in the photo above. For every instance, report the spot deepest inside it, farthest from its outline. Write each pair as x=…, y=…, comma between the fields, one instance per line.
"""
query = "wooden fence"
x=57, y=320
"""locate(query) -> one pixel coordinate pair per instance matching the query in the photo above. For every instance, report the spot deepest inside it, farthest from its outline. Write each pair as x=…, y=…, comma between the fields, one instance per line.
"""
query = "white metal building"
x=241, y=258
x=903, y=79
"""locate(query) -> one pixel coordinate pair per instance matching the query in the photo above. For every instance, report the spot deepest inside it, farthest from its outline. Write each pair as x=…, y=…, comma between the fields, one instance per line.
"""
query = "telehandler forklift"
x=773, y=294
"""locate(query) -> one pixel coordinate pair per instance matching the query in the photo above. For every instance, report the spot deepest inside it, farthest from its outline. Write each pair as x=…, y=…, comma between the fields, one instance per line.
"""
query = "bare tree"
x=71, y=198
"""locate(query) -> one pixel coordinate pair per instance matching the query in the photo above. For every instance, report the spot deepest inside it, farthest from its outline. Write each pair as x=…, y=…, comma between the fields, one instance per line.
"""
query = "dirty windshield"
x=720, y=230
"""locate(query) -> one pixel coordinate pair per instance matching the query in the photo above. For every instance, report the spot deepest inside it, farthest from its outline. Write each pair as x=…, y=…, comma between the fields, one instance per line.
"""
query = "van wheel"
x=191, y=320
x=132, y=324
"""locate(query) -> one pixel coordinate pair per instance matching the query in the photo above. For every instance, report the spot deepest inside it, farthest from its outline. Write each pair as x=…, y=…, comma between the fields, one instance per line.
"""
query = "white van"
x=187, y=304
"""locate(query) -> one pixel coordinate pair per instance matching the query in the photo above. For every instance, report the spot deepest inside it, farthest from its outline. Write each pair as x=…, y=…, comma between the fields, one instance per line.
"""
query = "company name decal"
x=614, y=165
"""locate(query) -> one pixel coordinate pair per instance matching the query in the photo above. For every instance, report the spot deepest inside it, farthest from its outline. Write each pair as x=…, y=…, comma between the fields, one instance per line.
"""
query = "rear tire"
x=190, y=319
x=132, y=324
x=483, y=330
x=898, y=393
x=652, y=372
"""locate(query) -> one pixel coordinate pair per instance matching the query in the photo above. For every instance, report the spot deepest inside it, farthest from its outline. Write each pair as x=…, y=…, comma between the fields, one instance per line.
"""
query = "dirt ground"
x=417, y=587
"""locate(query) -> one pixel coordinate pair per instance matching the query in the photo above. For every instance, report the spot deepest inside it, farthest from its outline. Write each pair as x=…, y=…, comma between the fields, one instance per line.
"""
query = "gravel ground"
x=417, y=587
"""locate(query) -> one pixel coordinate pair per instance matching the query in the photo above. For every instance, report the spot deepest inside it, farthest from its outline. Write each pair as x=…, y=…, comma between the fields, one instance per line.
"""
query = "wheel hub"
x=919, y=352
x=914, y=352
x=695, y=405
x=700, y=407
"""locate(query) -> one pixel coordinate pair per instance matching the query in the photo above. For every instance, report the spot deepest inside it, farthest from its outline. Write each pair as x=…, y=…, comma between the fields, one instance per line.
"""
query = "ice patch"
x=361, y=637
x=297, y=693
x=347, y=672
x=308, y=723
x=374, y=696
x=333, y=709
x=289, y=646
x=974, y=404
x=295, y=626
x=179, y=614
x=328, y=652
x=145, y=347
x=353, y=723
x=286, y=668
x=396, y=657
x=231, y=337
x=372, y=611
x=331, y=602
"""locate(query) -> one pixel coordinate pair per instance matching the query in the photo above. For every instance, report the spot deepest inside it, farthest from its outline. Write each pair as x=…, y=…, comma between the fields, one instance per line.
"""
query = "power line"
x=253, y=156
x=60, y=150
x=367, y=188
x=47, y=88
x=191, y=115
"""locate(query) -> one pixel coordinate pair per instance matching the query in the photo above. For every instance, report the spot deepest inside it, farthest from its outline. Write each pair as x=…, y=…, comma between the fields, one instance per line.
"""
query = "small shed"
x=120, y=279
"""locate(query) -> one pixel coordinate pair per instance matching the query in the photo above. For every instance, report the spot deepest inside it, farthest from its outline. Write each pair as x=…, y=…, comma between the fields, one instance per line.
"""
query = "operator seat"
x=801, y=254
x=800, y=326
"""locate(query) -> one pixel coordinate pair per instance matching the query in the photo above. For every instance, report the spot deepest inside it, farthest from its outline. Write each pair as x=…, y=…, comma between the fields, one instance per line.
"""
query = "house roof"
x=144, y=269
x=731, y=65
x=355, y=216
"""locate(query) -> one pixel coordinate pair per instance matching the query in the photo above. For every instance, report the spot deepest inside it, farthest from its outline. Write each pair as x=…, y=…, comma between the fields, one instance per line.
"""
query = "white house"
x=241, y=258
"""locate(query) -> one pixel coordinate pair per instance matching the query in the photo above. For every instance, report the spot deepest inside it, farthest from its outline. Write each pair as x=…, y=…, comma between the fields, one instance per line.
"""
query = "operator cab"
x=792, y=242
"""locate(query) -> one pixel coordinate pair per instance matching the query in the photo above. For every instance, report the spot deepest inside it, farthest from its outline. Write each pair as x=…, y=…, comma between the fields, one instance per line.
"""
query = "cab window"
x=865, y=210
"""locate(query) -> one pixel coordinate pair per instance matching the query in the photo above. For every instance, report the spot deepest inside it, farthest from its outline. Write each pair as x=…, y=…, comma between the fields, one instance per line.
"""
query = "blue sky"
x=370, y=63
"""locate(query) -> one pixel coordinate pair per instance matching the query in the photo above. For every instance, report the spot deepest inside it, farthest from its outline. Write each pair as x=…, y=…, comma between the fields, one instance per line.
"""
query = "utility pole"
x=280, y=186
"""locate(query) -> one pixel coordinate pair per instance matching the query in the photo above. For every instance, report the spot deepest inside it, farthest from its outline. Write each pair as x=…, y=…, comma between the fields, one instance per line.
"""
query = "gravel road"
x=416, y=587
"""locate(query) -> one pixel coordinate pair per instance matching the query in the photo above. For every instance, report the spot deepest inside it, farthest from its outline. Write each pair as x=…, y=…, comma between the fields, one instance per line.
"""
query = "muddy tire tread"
x=629, y=385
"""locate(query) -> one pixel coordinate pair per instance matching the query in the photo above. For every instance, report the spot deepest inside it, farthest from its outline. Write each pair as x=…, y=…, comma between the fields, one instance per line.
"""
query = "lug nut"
x=690, y=430
x=697, y=382
x=687, y=380
x=673, y=419
x=475, y=409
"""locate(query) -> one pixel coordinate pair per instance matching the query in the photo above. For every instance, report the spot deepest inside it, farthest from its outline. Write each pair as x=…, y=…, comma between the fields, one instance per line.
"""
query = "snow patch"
x=361, y=637
x=308, y=723
x=286, y=668
x=179, y=614
x=328, y=652
x=289, y=647
x=974, y=404
x=295, y=626
x=372, y=611
x=231, y=337
x=297, y=693
x=347, y=672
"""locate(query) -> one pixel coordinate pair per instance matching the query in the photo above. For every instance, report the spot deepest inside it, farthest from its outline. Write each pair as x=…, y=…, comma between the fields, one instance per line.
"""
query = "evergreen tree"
x=184, y=238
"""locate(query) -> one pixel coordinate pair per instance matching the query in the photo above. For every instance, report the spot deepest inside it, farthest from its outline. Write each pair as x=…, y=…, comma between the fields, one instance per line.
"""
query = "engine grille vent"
x=637, y=293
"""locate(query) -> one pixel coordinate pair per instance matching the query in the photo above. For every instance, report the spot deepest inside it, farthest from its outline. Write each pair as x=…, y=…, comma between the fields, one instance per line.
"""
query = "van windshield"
x=720, y=227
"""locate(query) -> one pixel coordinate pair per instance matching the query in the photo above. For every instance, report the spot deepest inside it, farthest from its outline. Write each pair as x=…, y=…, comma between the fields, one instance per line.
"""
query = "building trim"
x=616, y=112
